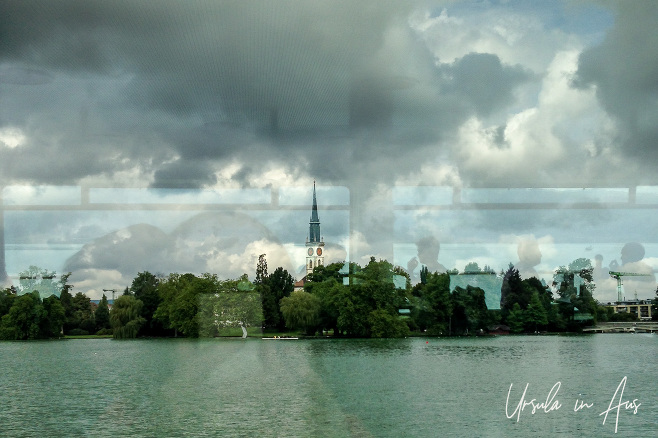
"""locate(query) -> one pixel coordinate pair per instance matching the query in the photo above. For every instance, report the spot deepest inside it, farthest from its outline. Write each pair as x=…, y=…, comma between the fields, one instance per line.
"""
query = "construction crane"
x=110, y=290
x=618, y=275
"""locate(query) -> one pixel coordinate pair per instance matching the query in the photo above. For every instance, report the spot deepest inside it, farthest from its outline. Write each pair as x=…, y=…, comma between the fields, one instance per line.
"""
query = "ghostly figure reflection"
x=428, y=254
x=639, y=281
x=529, y=257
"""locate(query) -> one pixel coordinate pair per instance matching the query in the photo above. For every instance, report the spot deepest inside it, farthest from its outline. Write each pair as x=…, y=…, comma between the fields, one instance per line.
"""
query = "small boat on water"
x=281, y=338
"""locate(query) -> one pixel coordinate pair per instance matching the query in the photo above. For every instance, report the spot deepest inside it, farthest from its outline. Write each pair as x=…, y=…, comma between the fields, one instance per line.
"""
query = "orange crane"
x=618, y=275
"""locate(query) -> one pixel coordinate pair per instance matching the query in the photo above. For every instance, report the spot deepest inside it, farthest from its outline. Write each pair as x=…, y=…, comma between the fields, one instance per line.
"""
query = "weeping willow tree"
x=301, y=310
x=126, y=318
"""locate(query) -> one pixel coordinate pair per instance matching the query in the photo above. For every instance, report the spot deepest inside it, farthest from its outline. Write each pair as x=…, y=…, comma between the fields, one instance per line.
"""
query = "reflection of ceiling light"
x=12, y=137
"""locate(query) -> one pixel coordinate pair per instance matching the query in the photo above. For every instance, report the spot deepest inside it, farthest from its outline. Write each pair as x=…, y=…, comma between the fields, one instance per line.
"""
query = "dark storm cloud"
x=624, y=70
x=482, y=80
x=184, y=174
x=210, y=81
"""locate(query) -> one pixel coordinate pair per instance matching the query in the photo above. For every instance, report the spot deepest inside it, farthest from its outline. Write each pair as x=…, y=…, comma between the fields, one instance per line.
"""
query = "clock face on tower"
x=310, y=251
x=319, y=251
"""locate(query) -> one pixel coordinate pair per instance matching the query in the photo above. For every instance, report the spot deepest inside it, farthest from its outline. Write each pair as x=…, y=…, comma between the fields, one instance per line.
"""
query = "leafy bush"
x=77, y=332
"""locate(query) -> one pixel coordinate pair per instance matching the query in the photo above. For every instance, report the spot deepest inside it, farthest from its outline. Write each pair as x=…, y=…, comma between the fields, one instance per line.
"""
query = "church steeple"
x=314, y=224
x=314, y=242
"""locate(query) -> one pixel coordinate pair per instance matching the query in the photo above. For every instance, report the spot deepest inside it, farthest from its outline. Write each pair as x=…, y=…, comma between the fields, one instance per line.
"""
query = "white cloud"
x=559, y=133
x=12, y=137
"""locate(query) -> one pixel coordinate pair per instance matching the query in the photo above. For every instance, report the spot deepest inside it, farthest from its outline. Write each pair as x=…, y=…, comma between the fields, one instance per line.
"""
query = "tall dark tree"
x=279, y=284
x=261, y=270
x=102, y=314
x=536, y=315
x=145, y=288
x=83, y=317
x=516, y=318
x=66, y=300
x=56, y=316
x=423, y=274
x=469, y=310
x=512, y=291
x=433, y=309
x=64, y=285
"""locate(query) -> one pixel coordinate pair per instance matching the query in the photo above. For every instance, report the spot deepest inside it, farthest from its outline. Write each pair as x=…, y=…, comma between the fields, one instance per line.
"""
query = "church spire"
x=314, y=224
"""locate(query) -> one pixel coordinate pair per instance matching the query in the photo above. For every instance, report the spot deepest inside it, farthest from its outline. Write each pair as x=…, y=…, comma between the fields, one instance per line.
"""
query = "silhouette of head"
x=428, y=249
x=598, y=259
x=632, y=252
x=528, y=251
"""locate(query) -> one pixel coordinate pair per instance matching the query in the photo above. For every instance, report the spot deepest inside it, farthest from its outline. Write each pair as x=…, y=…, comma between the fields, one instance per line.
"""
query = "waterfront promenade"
x=624, y=327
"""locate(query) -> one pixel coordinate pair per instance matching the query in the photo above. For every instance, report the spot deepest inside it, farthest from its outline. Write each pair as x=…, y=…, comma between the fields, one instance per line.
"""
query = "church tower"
x=314, y=242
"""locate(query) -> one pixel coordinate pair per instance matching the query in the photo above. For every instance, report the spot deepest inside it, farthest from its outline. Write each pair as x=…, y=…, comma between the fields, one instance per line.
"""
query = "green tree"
x=6, y=300
x=83, y=317
x=66, y=300
x=472, y=268
x=102, y=314
x=53, y=326
x=25, y=318
x=181, y=295
x=63, y=284
x=301, y=310
x=329, y=292
x=145, y=288
x=126, y=317
x=261, y=270
x=535, y=315
x=278, y=285
x=385, y=325
x=433, y=305
x=575, y=287
x=323, y=273
x=354, y=306
x=423, y=274
x=470, y=312
x=516, y=319
x=512, y=291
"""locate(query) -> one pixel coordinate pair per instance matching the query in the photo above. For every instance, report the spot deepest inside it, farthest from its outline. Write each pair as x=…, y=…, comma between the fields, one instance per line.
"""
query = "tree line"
x=343, y=299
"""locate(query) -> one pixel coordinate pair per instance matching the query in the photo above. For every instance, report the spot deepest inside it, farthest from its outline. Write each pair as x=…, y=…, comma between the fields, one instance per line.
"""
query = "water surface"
x=327, y=388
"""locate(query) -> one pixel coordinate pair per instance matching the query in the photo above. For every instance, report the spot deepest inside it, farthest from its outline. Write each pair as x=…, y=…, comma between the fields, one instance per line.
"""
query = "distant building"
x=314, y=247
x=641, y=308
x=314, y=242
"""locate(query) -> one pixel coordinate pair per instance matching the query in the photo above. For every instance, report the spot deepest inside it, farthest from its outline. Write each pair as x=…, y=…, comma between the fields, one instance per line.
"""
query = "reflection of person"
x=599, y=273
x=529, y=257
x=428, y=254
x=632, y=255
x=632, y=252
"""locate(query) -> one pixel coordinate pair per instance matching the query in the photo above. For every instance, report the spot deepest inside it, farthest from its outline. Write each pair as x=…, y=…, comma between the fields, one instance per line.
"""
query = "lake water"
x=328, y=388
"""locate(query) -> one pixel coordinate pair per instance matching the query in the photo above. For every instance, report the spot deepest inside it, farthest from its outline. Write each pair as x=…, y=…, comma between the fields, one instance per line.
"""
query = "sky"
x=177, y=136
